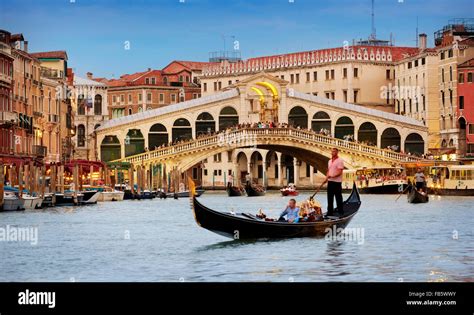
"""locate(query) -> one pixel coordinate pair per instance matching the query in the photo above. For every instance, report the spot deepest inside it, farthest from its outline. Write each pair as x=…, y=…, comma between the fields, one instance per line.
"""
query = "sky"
x=115, y=37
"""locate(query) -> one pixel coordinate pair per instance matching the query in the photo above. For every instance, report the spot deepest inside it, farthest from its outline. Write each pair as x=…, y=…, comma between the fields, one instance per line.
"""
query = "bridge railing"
x=248, y=135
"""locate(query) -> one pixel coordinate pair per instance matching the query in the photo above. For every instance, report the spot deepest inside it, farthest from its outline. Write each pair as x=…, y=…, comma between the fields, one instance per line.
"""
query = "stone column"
x=296, y=171
x=280, y=170
x=311, y=174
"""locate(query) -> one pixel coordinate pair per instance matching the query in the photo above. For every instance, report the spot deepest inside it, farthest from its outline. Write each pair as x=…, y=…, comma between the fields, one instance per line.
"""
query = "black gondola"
x=234, y=191
x=414, y=196
x=248, y=226
x=253, y=191
x=184, y=194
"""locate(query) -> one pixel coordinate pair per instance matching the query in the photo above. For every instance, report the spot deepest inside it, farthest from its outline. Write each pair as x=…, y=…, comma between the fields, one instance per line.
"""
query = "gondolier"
x=419, y=179
x=334, y=181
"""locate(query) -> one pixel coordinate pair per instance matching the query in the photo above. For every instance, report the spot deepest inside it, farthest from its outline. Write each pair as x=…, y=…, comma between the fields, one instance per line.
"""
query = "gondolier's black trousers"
x=335, y=190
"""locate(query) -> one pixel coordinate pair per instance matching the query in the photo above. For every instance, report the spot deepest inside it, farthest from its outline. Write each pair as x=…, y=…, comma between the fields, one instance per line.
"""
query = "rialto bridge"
x=161, y=140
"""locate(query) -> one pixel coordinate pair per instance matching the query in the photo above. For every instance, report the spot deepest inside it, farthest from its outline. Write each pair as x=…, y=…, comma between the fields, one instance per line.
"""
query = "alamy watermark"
x=12, y=233
x=348, y=234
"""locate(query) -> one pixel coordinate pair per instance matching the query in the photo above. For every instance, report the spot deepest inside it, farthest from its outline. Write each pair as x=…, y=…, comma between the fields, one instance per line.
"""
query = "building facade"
x=89, y=102
x=354, y=74
x=142, y=91
x=465, y=110
x=455, y=45
x=416, y=90
x=8, y=116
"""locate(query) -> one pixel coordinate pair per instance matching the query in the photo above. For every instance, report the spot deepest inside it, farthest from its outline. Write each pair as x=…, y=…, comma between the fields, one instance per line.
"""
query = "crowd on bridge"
x=271, y=125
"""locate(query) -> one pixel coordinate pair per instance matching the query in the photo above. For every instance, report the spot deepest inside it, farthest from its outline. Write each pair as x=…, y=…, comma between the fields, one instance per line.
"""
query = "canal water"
x=158, y=240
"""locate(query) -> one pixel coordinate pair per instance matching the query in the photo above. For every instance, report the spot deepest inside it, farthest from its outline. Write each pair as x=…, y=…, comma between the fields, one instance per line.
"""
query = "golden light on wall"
x=270, y=87
x=259, y=93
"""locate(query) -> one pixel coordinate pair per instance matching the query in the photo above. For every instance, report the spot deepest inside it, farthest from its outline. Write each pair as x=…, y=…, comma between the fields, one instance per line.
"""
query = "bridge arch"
x=367, y=133
x=321, y=121
x=298, y=117
x=390, y=137
x=205, y=124
x=228, y=117
x=414, y=144
x=110, y=148
x=157, y=136
x=182, y=130
x=344, y=126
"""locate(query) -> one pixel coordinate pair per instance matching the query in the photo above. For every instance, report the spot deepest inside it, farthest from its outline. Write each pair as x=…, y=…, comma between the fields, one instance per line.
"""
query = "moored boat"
x=11, y=202
x=375, y=180
x=248, y=226
x=90, y=196
x=31, y=202
x=290, y=190
x=184, y=194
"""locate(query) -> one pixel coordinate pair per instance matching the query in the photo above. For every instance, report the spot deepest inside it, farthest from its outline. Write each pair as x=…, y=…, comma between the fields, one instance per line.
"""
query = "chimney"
x=25, y=46
x=89, y=75
x=422, y=41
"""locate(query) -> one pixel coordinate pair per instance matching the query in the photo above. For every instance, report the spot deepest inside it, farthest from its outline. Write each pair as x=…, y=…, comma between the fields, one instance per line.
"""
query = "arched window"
x=134, y=142
x=81, y=136
x=181, y=130
x=228, y=117
x=298, y=117
x=81, y=105
x=157, y=136
x=367, y=134
x=321, y=122
x=414, y=144
x=110, y=148
x=98, y=104
x=205, y=124
x=344, y=128
x=390, y=139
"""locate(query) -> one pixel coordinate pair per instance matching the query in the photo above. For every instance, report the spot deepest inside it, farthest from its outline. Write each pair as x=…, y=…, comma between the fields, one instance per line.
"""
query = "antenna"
x=373, y=35
x=416, y=31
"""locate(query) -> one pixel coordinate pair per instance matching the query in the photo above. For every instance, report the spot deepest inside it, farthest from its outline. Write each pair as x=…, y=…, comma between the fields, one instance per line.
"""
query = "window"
x=205, y=172
x=344, y=73
x=297, y=78
x=162, y=98
x=461, y=78
x=315, y=76
x=165, y=80
x=148, y=97
x=344, y=92
x=441, y=56
x=416, y=63
x=451, y=97
x=205, y=87
x=387, y=74
x=173, y=98
x=292, y=78
x=442, y=75
x=81, y=136
x=308, y=76
x=180, y=78
x=471, y=129
x=461, y=102
x=356, y=72
x=450, y=73
x=332, y=74
x=356, y=94
x=147, y=81
x=215, y=86
x=283, y=77
x=140, y=97
x=328, y=94
x=327, y=74
x=450, y=53
x=98, y=105
x=333, y=95
x=218, y=157
x=129, y=98
x=129, y=111
x=409, y=65
x=423, y=61
x=230, y=82
x=122, y=98
x=114, y=99
x=153, y=81
x=219, y=85
x=469, y=77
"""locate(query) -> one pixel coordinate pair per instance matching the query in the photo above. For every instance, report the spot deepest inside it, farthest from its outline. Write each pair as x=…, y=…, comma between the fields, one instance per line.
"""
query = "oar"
x=402, y=193
x=319, y=188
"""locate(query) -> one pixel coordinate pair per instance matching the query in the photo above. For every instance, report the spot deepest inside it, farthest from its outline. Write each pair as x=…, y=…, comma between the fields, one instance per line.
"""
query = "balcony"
x=52, y=73
x=8, y=117
x=39, y=150
x=5, y=78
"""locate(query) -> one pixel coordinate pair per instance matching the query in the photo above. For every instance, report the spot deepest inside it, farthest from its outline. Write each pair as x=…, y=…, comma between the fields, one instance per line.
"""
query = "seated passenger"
x=291, y=212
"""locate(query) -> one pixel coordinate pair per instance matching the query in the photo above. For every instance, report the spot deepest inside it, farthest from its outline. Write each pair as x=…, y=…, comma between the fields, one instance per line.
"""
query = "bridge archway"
x=256, y=165
x=181, y=130
x=321, y=121
x=298, y=117
x=228, y=117
x=367, y=133
x=110, y=148
x=205, y=124
x=390, y=138
x=414, y=144
x=241, y=167
x=344, y=127
x=157, y=135
x=134, y=142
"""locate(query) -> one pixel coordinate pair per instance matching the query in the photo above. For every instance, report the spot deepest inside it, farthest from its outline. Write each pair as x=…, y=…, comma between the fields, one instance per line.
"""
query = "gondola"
x=234, y=191
x=414, y=196
x=248, y=226
x=184, y=194
x=252, y=191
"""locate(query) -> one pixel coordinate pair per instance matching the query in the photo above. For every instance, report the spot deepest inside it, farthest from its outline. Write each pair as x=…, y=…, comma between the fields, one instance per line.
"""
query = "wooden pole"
x=43, y=180
x=91, y=170
x=20, y=180
x=52, y=181
x=61, y=178
x=130, y=179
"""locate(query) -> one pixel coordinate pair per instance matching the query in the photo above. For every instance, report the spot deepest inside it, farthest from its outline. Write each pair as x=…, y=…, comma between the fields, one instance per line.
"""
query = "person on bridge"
x=334, y=180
